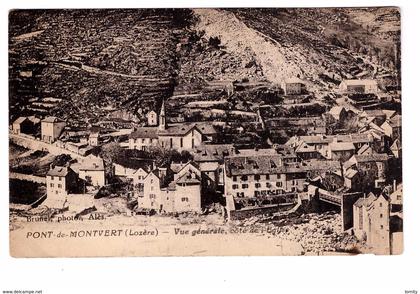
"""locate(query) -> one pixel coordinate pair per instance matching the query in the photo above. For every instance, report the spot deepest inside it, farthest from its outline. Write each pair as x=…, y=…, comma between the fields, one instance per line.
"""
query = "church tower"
x=162, y=117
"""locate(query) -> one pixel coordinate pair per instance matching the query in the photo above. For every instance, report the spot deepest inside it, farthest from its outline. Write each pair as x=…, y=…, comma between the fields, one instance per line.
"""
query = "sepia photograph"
x=205, y=132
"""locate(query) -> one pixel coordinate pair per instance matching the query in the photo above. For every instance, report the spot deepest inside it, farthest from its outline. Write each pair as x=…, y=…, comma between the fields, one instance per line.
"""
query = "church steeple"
x=162, y=117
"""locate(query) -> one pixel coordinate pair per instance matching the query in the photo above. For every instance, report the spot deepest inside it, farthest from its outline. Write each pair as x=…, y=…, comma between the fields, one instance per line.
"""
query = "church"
x=183, y=136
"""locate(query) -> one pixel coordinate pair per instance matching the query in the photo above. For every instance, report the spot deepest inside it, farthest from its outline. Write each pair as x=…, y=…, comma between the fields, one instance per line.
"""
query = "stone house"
x=358, y=86
x=92, y=170
x=371, y=222
x=293, y=86
x=261, y=175
x=22, y=125
x=60, y=181
x=168, y=191
x=51, y=128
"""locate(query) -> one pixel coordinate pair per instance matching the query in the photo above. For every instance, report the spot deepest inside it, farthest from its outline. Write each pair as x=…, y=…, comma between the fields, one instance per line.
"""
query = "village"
x=337, y=150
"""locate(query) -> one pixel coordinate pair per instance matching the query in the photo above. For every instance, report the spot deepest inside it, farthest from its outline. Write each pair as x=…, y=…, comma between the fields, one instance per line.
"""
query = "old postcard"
x=190, y=132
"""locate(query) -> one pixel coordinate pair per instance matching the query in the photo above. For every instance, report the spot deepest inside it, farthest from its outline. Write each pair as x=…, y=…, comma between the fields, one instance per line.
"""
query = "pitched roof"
x=360, y=82
x=52, y=119
x=294, y=80
x=92, y=164
x=336, y=110
x=371, y=157
x=350, y=173
x=341, y=146
x=365, y=149
x=185, y=128
x=395, y=121
x=396, y=145
x=20, y=120
x=304, y=148
x=213, y=152
x=58, y=171
x=144, y=132
x=262, y=164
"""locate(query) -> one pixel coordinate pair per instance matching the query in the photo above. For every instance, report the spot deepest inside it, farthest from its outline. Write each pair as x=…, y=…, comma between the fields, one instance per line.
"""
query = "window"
x=235, y=178
x=59, y=178
x=278, y=176
x=184, y=199
x=268, y=185
x=278, y=184
x=244, y=178
x=192, y=142
x=59, y=186
x=151, y=188
x=234, y=187
x=257, y=177
x=380, y=204
x=152, y=196
x=398, y=197
x=56, y=192
x=52, y=178
x=244, y=186
x=381, y=215
x=151, y=181
x=257, y=185
x=181, y=142
x=382, y=227
x=52, y=185
x=170, y=143
x=267, y=177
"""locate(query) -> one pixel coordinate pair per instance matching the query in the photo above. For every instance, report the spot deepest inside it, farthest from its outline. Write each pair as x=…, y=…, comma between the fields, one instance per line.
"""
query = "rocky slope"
x=93, y=62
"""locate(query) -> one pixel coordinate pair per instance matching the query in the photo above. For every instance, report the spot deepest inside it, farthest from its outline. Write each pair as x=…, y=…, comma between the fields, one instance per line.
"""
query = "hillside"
x=85, y=64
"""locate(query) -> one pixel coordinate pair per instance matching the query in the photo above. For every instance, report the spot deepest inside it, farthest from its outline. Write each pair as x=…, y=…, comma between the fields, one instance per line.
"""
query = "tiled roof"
x=359, y=82
x=93, y=164
x=145, y=132
x=52, y=119
x=58, y=171
x=20, y=120
x=341, y=146
x=185, y=128
x=263, y=164
x=371, y=157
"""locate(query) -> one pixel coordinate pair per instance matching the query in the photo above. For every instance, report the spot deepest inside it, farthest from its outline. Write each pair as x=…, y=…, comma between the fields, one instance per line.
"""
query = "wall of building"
x=51, y=131
x=142, y=143
x=97, y=177
x=186, y=142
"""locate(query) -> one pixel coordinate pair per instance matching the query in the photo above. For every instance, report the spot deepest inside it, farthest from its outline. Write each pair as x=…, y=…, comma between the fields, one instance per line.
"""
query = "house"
x=396, y=148
x=322, y=141
x=143, y=138
x=365, y=149
x=261, y=176
x=94, y=139
x=184, y=136
x=293, y=86
x=152, y=118
x=138, y=180
x=340, y=151
x=392, y=127
x=167, y=191
x=60, y=180
x=306, y=152
x=377, y=116
x=371, y=167
x=51, y=128
x=92, y=170
x=22, y=125
x=358, y=86
x=339, y=113
x=371, y=222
